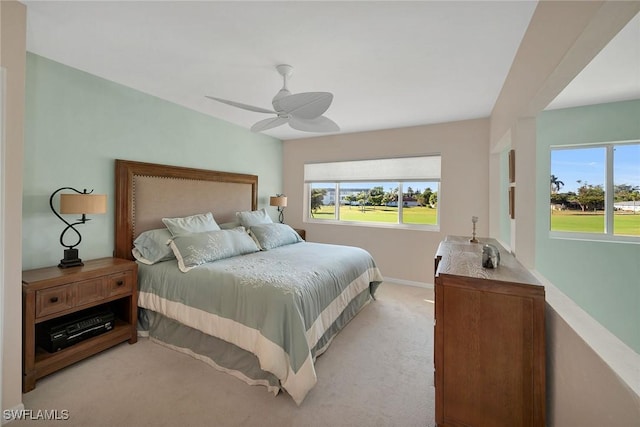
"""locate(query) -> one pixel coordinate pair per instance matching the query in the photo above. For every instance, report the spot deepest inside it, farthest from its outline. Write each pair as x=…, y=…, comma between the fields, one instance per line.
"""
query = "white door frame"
x=2, y=210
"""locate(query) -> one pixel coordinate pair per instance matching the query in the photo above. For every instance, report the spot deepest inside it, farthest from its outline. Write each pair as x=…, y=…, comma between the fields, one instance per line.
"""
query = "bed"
x=248, y=296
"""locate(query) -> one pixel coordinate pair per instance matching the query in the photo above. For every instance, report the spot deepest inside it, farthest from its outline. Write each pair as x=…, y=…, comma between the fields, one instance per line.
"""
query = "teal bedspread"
x=283, y=305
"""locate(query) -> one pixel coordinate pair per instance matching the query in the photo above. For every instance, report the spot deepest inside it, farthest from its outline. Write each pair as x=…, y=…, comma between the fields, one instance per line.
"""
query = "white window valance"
x=423, y=168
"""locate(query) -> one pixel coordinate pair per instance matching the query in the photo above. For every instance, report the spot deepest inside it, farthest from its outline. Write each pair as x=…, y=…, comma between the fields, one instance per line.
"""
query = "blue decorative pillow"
x=270, y=236
x=191, y=224
x=250, y=218
x=196, y=249
x=153, y=246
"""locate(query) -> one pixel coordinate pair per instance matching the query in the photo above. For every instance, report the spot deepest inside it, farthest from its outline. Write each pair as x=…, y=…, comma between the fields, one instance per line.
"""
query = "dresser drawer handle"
x=120, y=282
x=53, y=299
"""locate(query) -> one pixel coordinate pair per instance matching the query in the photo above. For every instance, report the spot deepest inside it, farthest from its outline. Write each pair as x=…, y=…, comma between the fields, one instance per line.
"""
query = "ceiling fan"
x=303, y=111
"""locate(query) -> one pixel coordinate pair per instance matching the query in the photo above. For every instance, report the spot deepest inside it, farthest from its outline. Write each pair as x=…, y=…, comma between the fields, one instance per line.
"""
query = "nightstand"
x=301, y=232
x=53, y=295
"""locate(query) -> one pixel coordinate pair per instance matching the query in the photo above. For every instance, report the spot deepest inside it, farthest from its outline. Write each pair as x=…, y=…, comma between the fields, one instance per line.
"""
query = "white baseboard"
x=6, y=413
x=621, y=358
x=409, y=283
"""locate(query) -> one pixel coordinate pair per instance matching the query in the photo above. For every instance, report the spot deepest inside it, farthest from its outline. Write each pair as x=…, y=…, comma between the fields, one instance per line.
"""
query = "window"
x=401, y=192
x=626, y=190
x=595, y=190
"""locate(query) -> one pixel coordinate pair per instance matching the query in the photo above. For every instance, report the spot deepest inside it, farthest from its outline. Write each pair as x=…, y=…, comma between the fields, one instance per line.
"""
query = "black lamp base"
x=70, y=259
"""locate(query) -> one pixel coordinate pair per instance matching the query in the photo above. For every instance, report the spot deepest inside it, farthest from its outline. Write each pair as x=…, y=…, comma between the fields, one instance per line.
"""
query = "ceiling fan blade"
x=240, y=105
x=306, y=105
x=319, y=124
x=268, y=124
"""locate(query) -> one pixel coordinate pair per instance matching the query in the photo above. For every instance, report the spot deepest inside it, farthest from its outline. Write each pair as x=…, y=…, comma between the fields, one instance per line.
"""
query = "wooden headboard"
x=147, y=192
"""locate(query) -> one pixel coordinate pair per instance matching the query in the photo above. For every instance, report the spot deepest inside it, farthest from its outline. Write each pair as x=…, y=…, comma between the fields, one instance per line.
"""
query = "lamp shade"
x=83, y=203
x=280, y=201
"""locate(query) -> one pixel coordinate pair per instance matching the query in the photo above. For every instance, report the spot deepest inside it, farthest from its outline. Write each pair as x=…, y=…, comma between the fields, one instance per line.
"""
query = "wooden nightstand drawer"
x=54, y=300
x=120, y=283
x=89, y=291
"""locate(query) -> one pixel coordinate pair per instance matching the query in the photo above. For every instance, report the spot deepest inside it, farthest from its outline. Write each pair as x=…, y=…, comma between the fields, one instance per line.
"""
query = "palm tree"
x=556, y=184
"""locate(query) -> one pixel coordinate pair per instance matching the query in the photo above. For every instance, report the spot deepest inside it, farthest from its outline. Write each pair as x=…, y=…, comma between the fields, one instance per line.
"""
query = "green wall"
x=77, y=124
x=602, y=277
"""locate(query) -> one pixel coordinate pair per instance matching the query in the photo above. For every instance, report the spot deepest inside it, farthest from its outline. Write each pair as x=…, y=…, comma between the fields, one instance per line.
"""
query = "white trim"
x=623, y=360
x=504, y=245
x=409, y=283
x=3, y=193
x=593, y=237
x=415, y=227
x=571, y=146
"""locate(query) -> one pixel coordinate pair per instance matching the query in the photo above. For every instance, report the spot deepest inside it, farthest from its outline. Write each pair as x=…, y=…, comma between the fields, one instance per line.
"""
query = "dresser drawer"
x=119, y=283
x=89, y=291
x=54, y=300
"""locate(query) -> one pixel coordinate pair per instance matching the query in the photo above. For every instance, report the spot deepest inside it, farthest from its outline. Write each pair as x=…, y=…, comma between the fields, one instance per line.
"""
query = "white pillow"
x=152, y=246
x=251, y=218
x=191, y=224
x=196, y=249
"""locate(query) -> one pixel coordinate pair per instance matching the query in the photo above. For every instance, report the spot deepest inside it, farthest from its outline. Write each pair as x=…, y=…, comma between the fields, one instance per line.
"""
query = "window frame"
x=306, y=212
x=608, y=234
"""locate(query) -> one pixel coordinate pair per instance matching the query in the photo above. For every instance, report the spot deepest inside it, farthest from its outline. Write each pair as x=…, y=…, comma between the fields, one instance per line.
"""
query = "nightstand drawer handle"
x=53, y=299
x=120, y=282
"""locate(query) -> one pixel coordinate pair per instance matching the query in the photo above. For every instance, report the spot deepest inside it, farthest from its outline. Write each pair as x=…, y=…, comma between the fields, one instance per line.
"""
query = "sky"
x=588, y=164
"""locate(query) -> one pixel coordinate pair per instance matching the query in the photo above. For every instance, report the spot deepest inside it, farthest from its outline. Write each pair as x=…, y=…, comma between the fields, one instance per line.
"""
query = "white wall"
x=401, y=254
x=13, y=49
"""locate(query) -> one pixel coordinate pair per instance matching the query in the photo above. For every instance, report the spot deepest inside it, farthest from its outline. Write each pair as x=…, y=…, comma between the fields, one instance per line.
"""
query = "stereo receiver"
x=61, y=333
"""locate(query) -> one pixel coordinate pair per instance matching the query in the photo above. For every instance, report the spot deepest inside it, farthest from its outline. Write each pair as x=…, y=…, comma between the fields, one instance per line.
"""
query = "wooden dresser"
x=489, y=339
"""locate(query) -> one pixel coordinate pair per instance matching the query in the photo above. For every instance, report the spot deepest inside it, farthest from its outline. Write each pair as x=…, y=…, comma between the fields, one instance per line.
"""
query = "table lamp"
x=80, y=203
x=280, y=200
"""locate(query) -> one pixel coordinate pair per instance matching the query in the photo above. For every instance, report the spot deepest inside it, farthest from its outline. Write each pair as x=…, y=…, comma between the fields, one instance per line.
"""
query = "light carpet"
x=377, y=372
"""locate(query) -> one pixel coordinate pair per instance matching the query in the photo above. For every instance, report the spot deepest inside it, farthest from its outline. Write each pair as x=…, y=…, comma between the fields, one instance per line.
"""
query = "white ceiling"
x=388, y=64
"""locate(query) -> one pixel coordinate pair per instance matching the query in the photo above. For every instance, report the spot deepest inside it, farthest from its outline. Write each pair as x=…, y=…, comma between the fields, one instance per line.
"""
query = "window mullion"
x=337, y=203
x=608, y=192
x=400, y=201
